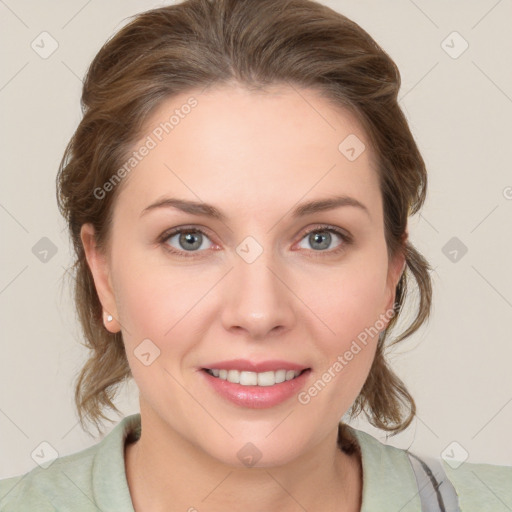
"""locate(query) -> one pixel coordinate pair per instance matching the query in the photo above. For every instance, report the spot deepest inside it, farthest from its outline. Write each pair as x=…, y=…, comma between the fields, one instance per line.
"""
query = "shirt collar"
x=388, y=478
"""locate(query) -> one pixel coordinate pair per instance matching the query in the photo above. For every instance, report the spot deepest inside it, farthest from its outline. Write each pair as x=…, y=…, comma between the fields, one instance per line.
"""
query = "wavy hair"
x=255, y=43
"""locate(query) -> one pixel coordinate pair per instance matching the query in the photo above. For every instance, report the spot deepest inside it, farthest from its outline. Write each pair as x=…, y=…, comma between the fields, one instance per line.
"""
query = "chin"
x=243, y=452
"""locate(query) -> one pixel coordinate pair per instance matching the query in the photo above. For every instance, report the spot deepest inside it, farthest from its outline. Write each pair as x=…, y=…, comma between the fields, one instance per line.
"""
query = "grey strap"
x=434, y=488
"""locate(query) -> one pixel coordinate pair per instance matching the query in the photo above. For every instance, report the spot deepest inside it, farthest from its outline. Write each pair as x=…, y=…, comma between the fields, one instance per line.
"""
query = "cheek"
x=153, y=307
x=153, y=296
x=353, y=298
x=155, y=300
x=352, y=307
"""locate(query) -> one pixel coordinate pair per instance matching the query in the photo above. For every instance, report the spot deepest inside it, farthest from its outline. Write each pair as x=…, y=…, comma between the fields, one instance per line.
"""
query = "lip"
x=256, y=397
x=244, y=365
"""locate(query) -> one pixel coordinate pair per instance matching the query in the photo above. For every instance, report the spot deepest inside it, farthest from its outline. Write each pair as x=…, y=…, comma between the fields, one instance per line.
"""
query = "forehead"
x=228, y=145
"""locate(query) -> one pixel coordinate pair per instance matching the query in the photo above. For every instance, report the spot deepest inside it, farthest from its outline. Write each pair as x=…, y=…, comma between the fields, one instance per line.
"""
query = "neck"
x=168, y=473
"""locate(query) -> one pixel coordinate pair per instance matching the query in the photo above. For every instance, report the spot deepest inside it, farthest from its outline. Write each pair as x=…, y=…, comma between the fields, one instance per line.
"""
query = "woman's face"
x=252, y=290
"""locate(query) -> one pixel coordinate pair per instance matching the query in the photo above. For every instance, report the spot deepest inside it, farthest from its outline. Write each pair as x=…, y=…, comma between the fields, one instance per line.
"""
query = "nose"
x=258, y=302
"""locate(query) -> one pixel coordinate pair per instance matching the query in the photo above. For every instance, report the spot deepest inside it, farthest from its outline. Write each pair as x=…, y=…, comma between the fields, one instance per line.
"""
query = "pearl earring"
x=109, y=318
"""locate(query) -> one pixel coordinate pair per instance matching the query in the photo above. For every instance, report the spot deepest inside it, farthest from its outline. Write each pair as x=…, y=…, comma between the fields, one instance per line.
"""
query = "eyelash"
x=347, y=240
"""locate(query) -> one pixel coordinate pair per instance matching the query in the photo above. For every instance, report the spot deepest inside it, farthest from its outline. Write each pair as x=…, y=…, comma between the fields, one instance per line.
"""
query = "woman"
x=237, y=194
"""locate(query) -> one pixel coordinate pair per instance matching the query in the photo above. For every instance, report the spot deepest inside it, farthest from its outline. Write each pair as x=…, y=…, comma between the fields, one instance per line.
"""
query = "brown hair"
x=255, y=43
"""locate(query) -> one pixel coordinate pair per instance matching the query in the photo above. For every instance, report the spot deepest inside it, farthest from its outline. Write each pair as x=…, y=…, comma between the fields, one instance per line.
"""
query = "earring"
x=109, y=318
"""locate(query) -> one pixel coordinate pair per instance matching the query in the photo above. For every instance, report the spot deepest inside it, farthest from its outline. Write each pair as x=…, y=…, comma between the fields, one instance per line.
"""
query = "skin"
x=254, y=155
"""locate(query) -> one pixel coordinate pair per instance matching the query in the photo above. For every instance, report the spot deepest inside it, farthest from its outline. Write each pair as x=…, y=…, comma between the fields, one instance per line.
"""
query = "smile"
x=255, y=384
x=246, y=378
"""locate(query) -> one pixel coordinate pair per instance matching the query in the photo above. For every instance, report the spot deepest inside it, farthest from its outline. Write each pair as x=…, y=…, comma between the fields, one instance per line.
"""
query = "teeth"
x=266, y=378
x=248, y=379
x=233, y=376
x=253, y=378
x=280, y=376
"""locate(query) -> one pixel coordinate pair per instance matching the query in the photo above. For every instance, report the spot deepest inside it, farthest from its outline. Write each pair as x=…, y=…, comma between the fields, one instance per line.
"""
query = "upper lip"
x=252, y=366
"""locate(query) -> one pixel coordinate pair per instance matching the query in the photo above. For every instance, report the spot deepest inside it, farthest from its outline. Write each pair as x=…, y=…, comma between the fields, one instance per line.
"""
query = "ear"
x=396, y=268
x=100, y=269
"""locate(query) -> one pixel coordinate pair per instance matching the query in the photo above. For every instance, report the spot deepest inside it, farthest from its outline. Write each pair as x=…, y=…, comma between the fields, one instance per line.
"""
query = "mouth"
x=249, y=378
x=255, y=384
x=256, y=390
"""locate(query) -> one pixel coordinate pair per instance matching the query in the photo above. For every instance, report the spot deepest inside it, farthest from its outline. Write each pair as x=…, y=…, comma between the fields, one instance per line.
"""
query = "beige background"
x=458, y=367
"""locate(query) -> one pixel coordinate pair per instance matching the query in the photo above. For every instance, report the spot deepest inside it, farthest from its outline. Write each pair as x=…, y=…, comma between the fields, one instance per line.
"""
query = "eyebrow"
x=208, y=210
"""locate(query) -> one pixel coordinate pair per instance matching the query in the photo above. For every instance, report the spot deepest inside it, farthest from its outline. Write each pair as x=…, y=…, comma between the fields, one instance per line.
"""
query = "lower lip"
x=257, y=397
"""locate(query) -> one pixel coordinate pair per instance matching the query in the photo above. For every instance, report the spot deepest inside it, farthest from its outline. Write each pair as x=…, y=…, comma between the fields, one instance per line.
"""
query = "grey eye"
x=319, y=240
x=188, y=240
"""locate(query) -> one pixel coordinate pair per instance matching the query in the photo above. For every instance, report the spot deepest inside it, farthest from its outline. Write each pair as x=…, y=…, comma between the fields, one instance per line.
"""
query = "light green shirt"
x=94, y=479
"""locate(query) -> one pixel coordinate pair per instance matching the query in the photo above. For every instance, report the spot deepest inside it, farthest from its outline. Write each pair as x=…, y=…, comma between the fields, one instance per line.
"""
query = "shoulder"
x=481, y=487
x=388, y=476
x=83, y=480
x=388, y=472
x=41, y=487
